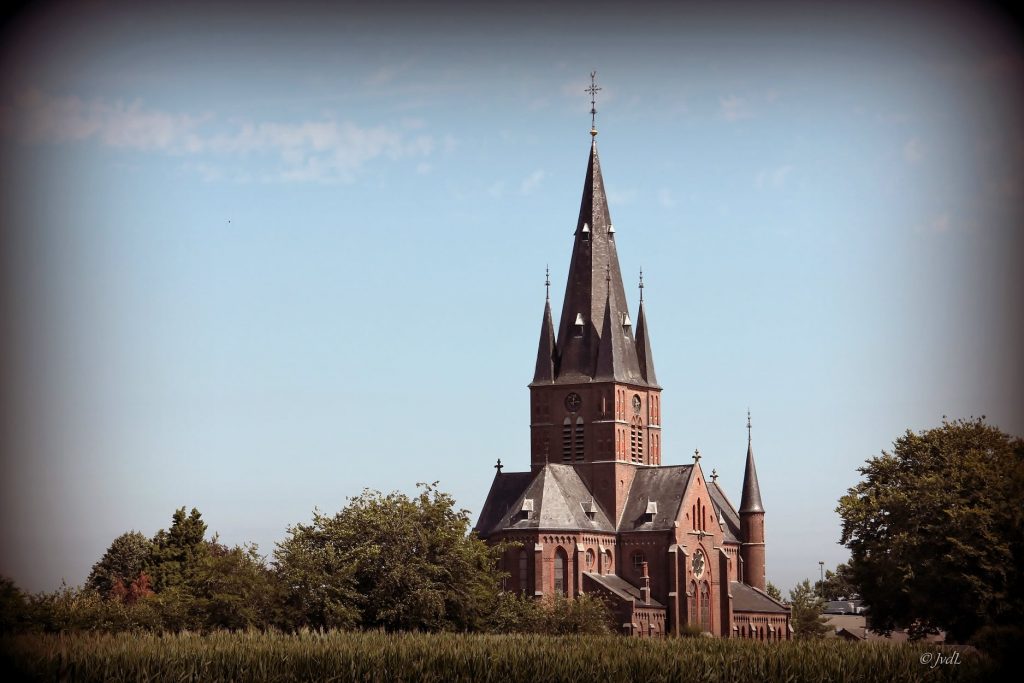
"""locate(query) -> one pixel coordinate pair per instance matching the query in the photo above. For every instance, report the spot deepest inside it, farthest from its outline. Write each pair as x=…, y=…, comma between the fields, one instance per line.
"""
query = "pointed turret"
x=593, y=289
x=752, y=522
x=643, y=341
x=545, y=370
x=751, y=498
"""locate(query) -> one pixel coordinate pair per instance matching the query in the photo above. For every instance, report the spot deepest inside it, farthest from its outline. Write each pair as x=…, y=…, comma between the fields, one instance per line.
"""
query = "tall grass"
x=452, y=658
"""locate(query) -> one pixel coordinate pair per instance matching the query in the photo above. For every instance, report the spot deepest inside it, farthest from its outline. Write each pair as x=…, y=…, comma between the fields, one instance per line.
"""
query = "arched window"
x=705, y=606
x=636, y=440
x=609, y=562
x=567, y=440
x=579, y=439
x=561, y=571
x=638, y=561
x=523, y=572
x=591, y=558
x=693, y=603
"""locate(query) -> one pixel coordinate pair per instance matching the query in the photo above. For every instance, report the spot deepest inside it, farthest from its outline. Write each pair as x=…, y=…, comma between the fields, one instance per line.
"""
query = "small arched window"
x=638, y=561
x=561, y=571
x=523, y=572
x=705, y=606
x=694, y=618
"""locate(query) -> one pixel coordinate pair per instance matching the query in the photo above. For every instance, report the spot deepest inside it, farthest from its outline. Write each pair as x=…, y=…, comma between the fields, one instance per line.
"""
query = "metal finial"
x=593, y=90
x=748, y=425
x=696, y=455
x=714, y=476
x=641, y=284
x=499, y=466
x=607, y=273
x=547, y=283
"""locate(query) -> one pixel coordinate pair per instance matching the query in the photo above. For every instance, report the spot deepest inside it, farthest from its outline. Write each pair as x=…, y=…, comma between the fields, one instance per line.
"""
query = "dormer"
x=651, y=511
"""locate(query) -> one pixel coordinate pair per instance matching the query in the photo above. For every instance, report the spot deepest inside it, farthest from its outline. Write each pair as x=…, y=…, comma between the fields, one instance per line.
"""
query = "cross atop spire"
x=547, y=283
x=641, y=284
x=748, y=425
x=593, y=90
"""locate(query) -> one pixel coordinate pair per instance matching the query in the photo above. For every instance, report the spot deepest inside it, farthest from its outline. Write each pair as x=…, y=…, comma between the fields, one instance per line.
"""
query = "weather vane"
x=593, y=90
x=547, y=283
x=748, y=425
x=641, y=284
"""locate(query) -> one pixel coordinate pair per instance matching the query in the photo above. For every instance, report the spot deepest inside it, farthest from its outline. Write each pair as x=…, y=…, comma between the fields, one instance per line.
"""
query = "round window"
x=590, y=558
x=698, y=564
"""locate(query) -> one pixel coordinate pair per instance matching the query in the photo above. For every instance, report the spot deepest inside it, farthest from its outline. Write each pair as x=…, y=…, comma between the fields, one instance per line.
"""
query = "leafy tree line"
x=389, y=562
x=936, y=532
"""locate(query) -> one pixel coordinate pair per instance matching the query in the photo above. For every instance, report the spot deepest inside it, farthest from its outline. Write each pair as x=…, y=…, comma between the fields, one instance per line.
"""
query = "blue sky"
x=263, y=259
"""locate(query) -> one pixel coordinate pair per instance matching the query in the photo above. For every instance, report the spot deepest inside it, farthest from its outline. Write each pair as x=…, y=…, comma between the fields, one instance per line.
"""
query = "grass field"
x=343, y=656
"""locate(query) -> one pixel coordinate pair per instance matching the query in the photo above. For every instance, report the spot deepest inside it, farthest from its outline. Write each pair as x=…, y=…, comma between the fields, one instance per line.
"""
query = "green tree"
x=13, y=606
x=316, y=577
x=231, y=588
x=838, y=584
x=806, y=617
x=773, y=591
x=392, y=562
x=554, y=615
x=936, y=530
x=174, y=551
x=122, y=563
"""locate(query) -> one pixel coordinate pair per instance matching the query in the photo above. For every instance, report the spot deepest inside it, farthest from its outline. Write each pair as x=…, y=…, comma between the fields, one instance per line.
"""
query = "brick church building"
x=597, y=512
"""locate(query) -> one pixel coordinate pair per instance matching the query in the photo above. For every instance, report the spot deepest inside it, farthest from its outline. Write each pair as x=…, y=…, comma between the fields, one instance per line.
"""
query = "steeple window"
x=636, y=440
x=567, y=440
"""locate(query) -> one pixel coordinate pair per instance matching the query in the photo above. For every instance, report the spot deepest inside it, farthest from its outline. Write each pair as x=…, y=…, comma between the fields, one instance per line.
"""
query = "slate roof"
x=603, y=345
x=558, y=498
x=643, y=347
x=751, y=499
x=544, y=372
x=664, y=485
x=505, y=489
x=724, y=508
x=621, y=588
x=748, y=599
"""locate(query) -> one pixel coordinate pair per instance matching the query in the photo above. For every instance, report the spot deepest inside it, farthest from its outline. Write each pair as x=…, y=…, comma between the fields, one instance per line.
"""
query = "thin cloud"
x=914, y=151
x=532, y=181
x=327, y=150
x=665, y=198
x=773, y=178
x=621, y=197
x=734, y=108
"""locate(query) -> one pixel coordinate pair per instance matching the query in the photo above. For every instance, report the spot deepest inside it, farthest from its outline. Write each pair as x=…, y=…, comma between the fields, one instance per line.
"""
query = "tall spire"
x=643, y=341
x=544, y=373
x=593, y=289
x=751, y=499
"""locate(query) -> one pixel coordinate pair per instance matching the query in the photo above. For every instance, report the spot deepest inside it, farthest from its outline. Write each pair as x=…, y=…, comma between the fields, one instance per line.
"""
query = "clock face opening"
x=573, y=402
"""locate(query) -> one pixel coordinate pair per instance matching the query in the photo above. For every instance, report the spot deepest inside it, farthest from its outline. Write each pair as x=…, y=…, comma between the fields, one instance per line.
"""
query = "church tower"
x=752, y=522
x=597, y=511
x=594, y=399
